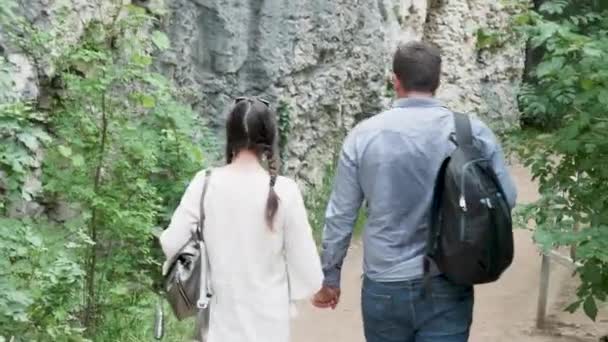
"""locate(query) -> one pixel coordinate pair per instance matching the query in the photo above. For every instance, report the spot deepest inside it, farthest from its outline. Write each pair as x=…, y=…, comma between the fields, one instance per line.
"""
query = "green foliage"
x=317, y=198
x=134, y=322
x=567, y=96
x=553, y=7
x=21, y=132
x=120, y=151
x=21, y=136
x=39, y=282
x=571, y=74
x=489, y=40
x=389, y=90
x=7, y=8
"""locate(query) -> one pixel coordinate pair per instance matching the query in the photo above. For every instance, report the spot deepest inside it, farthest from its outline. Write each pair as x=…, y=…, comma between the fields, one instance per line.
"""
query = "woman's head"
x=251, y=126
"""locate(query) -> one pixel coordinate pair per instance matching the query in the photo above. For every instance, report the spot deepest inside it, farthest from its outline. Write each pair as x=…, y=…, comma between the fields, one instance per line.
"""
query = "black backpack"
x=470, y=233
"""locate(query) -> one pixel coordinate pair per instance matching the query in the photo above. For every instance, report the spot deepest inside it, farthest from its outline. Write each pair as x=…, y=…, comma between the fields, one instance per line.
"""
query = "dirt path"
x=504, y=311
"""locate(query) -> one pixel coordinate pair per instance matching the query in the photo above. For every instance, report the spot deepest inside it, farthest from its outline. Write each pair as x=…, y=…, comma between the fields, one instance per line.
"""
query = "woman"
x=261, y=251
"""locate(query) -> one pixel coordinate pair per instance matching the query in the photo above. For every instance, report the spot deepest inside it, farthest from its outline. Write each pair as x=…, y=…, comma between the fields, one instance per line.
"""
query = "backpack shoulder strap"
x=433, y=228
x=464, y=132
x=201, y=221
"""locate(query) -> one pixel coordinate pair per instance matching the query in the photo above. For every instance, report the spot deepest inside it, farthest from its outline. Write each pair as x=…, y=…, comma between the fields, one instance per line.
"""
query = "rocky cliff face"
x=324, y=60
x=330, y=61
x=327, y=63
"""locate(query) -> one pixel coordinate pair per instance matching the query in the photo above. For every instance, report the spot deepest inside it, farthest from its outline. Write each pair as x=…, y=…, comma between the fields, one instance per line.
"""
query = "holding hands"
x=327, y=297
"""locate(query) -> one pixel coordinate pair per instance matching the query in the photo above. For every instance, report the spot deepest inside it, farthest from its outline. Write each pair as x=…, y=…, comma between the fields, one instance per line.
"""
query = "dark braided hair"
x=251, y=125
x=272, y=205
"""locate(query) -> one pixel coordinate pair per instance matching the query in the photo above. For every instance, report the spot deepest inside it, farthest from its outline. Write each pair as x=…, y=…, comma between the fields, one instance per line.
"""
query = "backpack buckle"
x=463, y=203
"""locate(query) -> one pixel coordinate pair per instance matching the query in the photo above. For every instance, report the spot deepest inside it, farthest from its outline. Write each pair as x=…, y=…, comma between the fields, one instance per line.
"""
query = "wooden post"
x=543, y=292
x=576, y=228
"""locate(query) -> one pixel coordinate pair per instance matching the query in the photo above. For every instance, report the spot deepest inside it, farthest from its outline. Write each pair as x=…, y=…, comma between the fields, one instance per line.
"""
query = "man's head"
x=416, y=69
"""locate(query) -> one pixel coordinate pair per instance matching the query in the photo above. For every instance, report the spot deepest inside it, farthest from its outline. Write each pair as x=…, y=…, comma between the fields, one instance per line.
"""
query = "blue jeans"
x=398, y=311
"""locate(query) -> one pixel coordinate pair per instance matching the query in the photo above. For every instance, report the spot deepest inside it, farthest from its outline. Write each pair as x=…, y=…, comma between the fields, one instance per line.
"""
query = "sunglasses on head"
x=243, y=98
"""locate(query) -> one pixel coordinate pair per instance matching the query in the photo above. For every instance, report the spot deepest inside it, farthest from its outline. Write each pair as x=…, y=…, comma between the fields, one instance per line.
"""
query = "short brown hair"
x=417, y=66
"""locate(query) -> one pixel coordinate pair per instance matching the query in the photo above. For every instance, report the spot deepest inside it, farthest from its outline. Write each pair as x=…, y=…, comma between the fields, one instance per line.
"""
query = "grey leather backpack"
x=187, y=281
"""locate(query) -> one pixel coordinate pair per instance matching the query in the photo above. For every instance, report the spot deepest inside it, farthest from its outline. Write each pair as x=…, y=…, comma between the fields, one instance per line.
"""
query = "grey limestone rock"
x=328, y=61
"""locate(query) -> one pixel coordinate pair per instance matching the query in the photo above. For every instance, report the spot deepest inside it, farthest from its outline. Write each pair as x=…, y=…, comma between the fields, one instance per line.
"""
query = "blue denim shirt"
x=391, y=160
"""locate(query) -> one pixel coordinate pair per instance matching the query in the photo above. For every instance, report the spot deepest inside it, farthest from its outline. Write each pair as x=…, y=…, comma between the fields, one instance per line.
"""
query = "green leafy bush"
x=39, y=283
x=567, y=97
x=572, y=38
x=119, y=148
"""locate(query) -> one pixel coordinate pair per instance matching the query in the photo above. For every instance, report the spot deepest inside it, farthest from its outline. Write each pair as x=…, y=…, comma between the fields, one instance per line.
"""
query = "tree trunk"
x=90, y=295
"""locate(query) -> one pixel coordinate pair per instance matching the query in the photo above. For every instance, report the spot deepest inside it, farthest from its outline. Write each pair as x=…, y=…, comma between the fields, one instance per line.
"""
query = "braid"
x=251, y=126
x=272, y=205
x=273, y=166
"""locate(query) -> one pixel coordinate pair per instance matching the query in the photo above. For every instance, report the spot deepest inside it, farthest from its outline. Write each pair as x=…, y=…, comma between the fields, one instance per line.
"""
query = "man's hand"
x=327, y=297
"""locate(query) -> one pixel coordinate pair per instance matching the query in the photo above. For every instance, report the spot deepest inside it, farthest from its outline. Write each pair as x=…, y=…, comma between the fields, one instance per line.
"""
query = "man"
x=391, y=161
